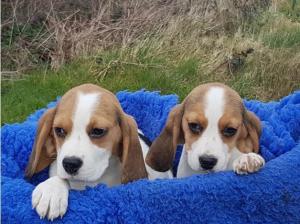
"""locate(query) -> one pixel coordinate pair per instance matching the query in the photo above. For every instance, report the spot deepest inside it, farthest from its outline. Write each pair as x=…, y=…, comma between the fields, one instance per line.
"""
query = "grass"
x=282, y=32
x=173, y=61
x=20, y=98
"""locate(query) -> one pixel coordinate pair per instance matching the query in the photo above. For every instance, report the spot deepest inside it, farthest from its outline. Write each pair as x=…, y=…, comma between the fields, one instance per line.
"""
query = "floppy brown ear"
x=162, y=151
x=133, y=166
x=44, y=151
x=251, y=130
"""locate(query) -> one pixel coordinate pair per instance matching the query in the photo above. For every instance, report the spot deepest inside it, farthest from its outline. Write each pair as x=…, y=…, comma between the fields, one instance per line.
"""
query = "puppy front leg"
x=244, y=163
x=248, y=163
x=50, y=198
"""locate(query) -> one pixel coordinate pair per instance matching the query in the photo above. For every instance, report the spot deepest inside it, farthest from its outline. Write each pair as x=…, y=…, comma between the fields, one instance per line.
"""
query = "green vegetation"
x=20, y=98
x=174, y=60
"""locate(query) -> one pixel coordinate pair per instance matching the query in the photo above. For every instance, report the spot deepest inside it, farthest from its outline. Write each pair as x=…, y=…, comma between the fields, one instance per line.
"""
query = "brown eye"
x=229, y=132
x=97, y=132
x=195, y=128
x=60, y=132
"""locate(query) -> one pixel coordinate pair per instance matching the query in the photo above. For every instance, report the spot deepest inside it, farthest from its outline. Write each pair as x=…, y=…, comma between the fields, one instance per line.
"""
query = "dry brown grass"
x=68, y=29
x=121, y=37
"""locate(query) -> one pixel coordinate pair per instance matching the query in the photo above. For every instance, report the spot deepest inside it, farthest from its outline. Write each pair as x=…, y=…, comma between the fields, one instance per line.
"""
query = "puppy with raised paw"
x=217, y=131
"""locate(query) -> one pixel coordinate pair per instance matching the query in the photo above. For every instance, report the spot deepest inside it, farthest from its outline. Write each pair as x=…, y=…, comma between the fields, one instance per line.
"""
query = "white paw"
x=248, y=163
x=50, y=198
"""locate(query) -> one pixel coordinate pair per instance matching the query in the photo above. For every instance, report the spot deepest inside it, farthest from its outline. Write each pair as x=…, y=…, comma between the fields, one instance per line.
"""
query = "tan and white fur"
x=217, y=131
x=86, y=139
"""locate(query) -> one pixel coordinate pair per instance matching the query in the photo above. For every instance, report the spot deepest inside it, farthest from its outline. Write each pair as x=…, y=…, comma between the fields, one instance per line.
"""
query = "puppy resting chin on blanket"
x=217, y=131
x=86, y=139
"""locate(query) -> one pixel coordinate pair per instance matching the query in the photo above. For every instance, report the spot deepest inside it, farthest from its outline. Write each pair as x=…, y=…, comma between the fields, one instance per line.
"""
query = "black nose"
x=207, y=162
x=71, y=164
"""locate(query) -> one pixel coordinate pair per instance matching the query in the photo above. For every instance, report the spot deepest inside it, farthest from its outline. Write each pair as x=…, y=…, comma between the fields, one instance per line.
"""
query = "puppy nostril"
x=207, y=162
x=72, y=164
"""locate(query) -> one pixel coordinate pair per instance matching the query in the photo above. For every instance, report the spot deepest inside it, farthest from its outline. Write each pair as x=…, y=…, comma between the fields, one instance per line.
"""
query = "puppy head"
x=211, y=121
x=87, y=127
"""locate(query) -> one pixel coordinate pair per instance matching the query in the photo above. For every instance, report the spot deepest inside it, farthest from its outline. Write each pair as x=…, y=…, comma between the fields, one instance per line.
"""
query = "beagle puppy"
x=86, y=139
x=217, y=131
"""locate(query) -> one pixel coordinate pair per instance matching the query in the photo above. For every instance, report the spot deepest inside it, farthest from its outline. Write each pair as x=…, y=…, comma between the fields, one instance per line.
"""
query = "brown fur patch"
x=232, y=117
x=44, y=152
x=133, y=166
x=162, y=150
x=236, y=116
x=249, y=142
x=196, y=116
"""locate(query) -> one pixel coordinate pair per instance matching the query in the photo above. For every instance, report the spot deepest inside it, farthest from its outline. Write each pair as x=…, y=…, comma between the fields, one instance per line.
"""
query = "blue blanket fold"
x=269, y=196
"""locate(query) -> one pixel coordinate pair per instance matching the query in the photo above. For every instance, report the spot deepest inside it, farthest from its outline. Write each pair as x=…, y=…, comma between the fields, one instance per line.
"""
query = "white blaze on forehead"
x=85, y=106
x=214, y=105
x=210, y=142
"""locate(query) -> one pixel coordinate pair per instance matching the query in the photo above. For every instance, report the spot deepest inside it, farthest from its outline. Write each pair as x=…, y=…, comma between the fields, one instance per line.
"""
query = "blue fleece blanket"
x=269, y=196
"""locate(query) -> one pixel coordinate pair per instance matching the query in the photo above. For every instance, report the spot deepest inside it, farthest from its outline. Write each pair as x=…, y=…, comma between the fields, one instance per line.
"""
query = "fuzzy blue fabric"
x=270, y=196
